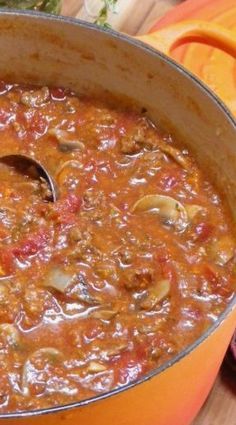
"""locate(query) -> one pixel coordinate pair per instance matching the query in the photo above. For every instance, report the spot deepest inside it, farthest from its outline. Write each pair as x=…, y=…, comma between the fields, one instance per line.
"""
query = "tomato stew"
x=131, y=264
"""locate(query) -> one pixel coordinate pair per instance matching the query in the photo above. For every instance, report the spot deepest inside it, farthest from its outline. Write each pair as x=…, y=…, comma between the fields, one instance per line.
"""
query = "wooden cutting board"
x=137, y=17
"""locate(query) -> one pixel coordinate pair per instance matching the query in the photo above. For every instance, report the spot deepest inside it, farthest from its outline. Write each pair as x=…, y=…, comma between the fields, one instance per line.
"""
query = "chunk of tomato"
x=31, y=245
x=203, y=231
x=70, y=204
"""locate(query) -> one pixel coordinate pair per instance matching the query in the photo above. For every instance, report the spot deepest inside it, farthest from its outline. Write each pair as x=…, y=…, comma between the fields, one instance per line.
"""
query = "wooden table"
x=136, y=17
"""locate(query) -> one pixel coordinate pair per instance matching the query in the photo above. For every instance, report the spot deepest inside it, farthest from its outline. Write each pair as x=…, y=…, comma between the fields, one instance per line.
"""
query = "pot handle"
x=208, y=33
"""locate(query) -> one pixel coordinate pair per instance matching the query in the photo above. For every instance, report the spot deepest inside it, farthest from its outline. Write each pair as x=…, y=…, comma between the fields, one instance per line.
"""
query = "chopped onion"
x=59, y=280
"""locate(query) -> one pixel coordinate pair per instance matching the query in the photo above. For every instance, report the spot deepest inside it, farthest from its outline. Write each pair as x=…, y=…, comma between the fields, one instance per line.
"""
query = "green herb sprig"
x=108, y=6
x=49, y=6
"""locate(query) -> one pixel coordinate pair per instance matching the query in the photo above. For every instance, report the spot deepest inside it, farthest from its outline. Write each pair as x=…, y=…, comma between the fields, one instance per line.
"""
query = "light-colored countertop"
x=136, y=17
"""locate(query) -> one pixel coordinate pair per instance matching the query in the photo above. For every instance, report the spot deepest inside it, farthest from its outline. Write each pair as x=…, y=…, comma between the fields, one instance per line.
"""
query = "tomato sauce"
x=132, y=263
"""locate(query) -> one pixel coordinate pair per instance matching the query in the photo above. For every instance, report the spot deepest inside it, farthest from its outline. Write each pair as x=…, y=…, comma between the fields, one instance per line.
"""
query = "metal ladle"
x=24, y=162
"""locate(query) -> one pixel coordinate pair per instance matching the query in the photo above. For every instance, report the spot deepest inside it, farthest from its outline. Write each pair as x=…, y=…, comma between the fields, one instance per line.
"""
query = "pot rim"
x=220, y=104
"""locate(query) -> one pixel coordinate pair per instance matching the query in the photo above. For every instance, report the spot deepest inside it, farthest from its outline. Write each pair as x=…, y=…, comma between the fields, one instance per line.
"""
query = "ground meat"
x=45, y=190
x=129, y=146
x=9, y=303
x=139, y=279
x=85, y=248
x=75, y=235
x=126, y=256
x=93, y=200
x=141, y=137
x=35, y=98
x=35, y=302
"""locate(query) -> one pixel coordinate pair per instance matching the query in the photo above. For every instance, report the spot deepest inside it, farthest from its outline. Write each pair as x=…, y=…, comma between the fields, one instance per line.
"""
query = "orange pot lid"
x=216, y=68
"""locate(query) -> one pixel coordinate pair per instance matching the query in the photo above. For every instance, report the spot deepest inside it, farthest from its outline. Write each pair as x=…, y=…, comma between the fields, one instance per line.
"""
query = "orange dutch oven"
x=42, y=49
x=210, y=64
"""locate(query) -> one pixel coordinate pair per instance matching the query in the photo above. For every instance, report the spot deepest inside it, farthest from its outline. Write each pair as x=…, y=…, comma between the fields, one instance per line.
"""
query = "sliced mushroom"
x=80, y=291
x=156, y=294
x=177, y=155
x=171, y=211
x=65, y=142
x=72, y=285
x=222, y=250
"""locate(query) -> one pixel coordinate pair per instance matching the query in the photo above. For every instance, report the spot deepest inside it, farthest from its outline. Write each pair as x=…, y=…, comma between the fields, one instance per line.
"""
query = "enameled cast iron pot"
x=42, y=49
